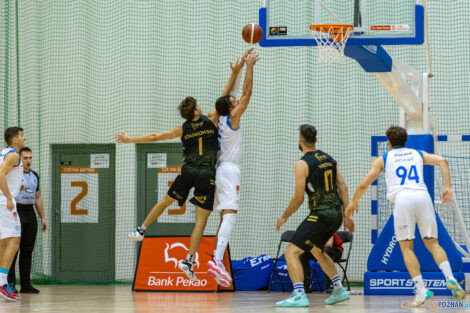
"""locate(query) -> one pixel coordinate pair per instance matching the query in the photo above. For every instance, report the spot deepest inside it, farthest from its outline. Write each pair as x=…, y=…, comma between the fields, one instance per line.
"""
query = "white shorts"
x=414, y=207
x=227, y=187
x=10, y=225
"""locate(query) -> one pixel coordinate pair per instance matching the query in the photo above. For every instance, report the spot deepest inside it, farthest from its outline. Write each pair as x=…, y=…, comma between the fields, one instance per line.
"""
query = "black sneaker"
x=29, y=289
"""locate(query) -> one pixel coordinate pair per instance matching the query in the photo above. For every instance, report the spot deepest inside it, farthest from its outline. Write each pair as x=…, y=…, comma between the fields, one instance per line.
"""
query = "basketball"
x=252, y=33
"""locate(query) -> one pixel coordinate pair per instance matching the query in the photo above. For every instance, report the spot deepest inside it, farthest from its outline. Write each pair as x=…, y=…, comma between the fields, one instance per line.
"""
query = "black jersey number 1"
x=200, y=146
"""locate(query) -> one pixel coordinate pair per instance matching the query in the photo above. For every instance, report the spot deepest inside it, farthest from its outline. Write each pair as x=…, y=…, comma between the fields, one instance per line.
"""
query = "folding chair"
x=346, y=237
x=314, y=273
x=285, y=237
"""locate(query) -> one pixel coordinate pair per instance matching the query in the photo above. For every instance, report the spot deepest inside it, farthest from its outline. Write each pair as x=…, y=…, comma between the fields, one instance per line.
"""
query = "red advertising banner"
x=157, y=265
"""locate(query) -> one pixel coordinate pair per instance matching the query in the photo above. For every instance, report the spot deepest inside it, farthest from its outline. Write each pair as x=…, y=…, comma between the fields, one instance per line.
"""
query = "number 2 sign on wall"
x=79, y=194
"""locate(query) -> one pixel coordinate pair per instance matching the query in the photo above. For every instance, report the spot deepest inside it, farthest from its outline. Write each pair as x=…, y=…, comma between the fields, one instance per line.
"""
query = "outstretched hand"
x=349, y=223
x=351, y=209
x=251, y=59
x=247, y=52
x=280, y=222
x=240, y=63
x=446, y=195
x=122, y=138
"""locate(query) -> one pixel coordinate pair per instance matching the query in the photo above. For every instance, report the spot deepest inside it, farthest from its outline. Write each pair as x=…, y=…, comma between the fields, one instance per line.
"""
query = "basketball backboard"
x=376, y=22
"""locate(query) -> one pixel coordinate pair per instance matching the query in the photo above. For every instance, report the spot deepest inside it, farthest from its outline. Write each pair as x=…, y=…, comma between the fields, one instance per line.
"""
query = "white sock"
x=445, y=268
x=336, y=282
x=419, y=284
x=143, y=227
x=299, y=288
x=189, y=258
x=3, y=279
x=228, y=222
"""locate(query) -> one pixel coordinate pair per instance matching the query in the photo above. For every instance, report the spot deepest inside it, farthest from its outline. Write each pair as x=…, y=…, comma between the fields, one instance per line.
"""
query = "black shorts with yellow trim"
x=203, y=181
x=318, y=228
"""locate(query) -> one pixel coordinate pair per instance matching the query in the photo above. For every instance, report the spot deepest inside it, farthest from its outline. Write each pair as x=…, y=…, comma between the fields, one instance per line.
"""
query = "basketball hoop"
x=331, y=40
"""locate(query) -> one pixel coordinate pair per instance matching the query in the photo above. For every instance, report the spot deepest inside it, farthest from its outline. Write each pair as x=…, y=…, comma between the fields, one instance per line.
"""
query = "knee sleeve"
x=228, y=222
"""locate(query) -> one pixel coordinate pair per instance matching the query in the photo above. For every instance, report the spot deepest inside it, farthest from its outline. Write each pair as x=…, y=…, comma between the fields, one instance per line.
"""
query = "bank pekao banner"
x=79, y=194
x=157, y=265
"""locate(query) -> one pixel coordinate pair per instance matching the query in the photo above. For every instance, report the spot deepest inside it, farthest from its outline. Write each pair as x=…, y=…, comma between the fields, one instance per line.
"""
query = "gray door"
x=84, y=205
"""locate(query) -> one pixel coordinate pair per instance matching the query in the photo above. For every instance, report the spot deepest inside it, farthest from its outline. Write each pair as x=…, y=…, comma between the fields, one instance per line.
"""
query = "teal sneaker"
x=421, y=298
x=295, y=300
x=457, y=291
x=339, y=294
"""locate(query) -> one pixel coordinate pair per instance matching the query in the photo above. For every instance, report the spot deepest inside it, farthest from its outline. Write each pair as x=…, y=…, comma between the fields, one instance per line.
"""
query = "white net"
x=331, y=41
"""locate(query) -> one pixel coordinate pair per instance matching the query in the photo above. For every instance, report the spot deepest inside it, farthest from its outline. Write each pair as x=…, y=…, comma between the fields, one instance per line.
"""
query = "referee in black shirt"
x=27, y=199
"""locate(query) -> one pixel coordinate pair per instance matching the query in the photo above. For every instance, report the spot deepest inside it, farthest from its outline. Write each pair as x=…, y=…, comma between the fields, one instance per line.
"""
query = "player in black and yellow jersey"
x=199, y=135
x=317, y=174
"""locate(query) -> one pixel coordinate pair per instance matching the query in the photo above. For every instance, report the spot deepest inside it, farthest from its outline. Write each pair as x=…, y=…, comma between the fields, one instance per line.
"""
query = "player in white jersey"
x=11, y=175
x=229, y=158
x=413, y=205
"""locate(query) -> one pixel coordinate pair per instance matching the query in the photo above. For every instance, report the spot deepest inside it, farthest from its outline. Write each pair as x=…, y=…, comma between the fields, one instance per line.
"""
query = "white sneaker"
x=137, y=235
x=422, y=297
x=188, y=268
x=218, y=272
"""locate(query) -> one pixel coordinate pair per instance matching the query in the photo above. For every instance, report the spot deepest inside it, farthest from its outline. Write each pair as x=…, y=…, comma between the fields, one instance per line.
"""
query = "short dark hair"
x=223, y=105
x=187, y=108
x=25, y=149
x=397, y=136
x=11, y=133
x=308, y=134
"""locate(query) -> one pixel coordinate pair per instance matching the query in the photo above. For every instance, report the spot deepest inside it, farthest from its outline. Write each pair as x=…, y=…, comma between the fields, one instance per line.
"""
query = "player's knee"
x=230, y=218
x=317, y=253
x=293, y=251
x=228, y=222
x=406, y=245
x=200, y=224
x=431, y=243
x=13, y=244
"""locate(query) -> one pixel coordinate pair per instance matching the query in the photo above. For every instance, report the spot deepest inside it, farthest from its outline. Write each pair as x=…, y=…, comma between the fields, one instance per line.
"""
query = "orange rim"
x=339, y=32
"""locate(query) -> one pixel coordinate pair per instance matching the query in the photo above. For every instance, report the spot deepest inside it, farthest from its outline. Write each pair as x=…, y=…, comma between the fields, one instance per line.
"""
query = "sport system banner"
x=157, y=265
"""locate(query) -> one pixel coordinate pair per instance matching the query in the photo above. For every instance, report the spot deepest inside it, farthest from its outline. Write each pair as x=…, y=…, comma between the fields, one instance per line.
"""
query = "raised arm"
x=151, y=137
x=238, y=111
x=301, y=173
x=11, y=160
x=437, y=160
x=232, y=85
x=373, y=174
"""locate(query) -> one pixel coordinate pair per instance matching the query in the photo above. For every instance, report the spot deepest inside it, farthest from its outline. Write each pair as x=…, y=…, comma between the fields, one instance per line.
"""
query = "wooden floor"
x=120, y=298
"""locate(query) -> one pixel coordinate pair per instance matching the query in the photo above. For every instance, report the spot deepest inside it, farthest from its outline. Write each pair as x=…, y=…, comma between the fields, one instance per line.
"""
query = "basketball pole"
x=426, y=34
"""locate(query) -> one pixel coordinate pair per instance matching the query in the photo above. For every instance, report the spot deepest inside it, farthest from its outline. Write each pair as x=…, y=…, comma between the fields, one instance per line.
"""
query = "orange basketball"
x=252, y=33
